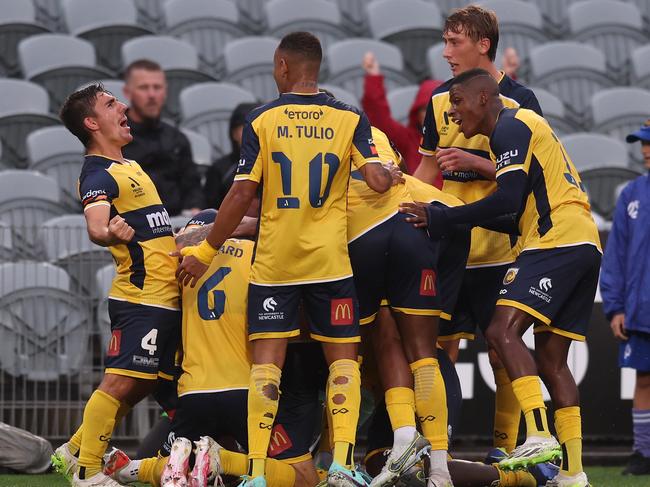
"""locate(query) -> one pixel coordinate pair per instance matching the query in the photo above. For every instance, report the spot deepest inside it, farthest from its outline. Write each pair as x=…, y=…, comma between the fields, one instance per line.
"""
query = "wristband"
x=204, y=252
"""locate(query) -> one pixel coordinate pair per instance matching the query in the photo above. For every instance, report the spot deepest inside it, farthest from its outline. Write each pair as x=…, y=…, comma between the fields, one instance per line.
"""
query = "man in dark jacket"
x=221, y=174
x=162, y=150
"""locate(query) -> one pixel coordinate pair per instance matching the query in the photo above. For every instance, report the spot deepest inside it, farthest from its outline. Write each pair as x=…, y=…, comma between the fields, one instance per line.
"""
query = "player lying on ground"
x=553, y=281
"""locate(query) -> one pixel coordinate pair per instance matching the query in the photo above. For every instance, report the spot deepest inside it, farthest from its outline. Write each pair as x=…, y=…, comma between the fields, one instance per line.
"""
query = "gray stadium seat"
x=400, y=101
x=23, y=108
x=554, y=112
x=341, y=94
x=49, y=14
x=249, y=64
x=206, y=108
x=150, y=14
x=588, y=151
x=107, y=25
x=201, y=148
x=572, y=71
x=178, y=58
x=27, y=199
x=620, y=111
x=554, y=13
x=644, y=7
x=353, y=17
x=603, y=185
x=206, y=24
x=412, y=26
x=43, y=326
x=66, y=244
x=17, y=22
x=641, y=66
x=438, y=66
x=446, y=6
x=613, y=27
x=321, y=18
x=6, y=242
x=252, y=15
x=344, y=64
x=54, y=151
x=59, y=63
x=520, y=24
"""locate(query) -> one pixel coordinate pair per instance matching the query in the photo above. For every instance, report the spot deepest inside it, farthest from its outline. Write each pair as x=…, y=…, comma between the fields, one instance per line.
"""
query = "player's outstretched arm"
x=428, y=170
x=104, y=231
x=454, y=159
x=196, y=259
x=377, y=177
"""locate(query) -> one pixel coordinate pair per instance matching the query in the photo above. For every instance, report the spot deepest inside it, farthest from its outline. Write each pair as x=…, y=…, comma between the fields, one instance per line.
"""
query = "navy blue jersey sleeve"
x=430, y=138
x=364, y=149
x=530, y=101
x=510, y=143
x=97, y=187
x=249, y=166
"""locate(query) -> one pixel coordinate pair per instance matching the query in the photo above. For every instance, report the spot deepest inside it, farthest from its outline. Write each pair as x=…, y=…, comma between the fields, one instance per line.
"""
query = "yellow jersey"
x=556, y=211
x=367, y=208
x=299, y=147
x=215, y=337
x=145, y=270
x=488, y=248
x=426, y=193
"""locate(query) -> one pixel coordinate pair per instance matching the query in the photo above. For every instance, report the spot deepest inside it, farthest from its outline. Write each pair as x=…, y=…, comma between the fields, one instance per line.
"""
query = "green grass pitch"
x=599, y=477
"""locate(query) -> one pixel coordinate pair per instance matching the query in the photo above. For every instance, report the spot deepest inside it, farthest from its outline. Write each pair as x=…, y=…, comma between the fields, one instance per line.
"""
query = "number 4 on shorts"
x=148, y=342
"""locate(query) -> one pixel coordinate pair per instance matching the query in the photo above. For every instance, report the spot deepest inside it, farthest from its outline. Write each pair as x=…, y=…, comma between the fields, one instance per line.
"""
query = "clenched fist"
x=120, y=230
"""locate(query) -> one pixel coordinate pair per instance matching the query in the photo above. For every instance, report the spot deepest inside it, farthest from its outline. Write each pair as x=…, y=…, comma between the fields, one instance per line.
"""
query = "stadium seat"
x=641, y=67
x=49, y=14
x=17, y=22
x=178, y=59
x=206, y=24
x=201, y=148
x=344, y=64
x=603, y=185
x=644, y=7
x=60, y=63
x=614, y=27
x=573, y=72
x=554, y=112
x=438, y=65
x=554, y=13
x=23, y=108
x=6, y=243
x=28, y=199
x=322, y=18
x=588, y=150
x=206, y=108
x=103, y=283
x=412, y=26
x=66, y=244
x=446, y=6
x=54, y=151
x=150, y=14
x=400, y=101
x=620, y=111
x=341, y=94
x=107, y=25
x=43, y=326
x=249, y=64
x=520, y=25
x=353, y=17
x=252, y=15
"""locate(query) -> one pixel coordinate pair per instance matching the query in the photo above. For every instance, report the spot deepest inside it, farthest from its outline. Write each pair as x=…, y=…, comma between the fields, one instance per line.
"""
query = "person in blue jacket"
x=625, y=287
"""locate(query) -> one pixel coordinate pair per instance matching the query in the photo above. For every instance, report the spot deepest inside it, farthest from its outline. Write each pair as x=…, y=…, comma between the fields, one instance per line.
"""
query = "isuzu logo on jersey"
x=342, y=311
x=504, y=159
x=428, y=283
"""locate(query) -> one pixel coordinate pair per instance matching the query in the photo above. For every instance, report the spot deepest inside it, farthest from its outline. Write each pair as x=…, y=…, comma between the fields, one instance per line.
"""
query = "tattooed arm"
x=246, y=228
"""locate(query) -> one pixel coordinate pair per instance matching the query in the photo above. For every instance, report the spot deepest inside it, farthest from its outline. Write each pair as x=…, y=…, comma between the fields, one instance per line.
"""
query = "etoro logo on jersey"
x=269, y=313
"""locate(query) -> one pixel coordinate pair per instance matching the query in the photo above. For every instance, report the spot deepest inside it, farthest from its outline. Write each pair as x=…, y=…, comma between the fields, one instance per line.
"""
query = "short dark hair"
x=77, y=107
x=477, y=23
x=463, y=78
x=304, y=44
x=146, y=64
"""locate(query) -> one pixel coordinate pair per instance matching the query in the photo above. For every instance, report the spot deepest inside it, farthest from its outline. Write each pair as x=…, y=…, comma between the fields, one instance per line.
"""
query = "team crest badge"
x=510, y=275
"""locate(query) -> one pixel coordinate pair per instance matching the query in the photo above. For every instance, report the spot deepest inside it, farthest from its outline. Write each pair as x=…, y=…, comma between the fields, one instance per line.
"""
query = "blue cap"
x=642, y=134
x=202, y=218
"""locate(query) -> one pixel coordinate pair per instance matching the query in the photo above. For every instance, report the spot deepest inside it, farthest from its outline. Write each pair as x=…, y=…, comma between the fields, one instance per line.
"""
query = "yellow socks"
x=431, y=401
x=569, y=434
x=278, y=474
x=516, y=478
x=150, y=470
x=507, y=413
x=528, y=391
x=98, y=422
x=74, y=444
x=263, y=398
x=400, y=404
x=343, y=402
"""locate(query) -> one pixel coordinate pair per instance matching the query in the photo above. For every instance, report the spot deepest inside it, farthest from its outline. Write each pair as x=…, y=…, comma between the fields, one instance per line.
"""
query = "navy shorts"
x=454, y=250
x=634, y=352
x=331, y=307
x=554, y=286
x=395, y=261
x=144, y=340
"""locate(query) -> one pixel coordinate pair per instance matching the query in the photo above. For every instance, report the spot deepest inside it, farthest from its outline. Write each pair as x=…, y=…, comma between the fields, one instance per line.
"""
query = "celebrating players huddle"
x=384, y=270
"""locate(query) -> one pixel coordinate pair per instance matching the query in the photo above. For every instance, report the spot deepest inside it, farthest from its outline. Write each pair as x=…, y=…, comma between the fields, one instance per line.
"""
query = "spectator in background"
x=221, y=173
x=162, y=150
x=375, y=104
x=510, y=62
x=625, y=287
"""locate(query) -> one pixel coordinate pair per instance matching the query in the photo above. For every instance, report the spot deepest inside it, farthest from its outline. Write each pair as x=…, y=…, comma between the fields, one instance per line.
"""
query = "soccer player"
x=124, y=213
x=299, y=148
x=213, y=387
x=553, y=281
x=471, y=36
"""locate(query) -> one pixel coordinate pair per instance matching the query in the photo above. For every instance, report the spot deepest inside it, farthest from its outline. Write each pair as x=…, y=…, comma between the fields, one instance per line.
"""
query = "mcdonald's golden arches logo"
x=342, y=311
x=114, y=344
x=428, y=283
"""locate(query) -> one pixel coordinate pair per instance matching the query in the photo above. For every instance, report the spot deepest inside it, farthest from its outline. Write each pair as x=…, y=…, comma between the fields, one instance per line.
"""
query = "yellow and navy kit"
x=556, y=211
x=439, y=131
x=299, y=147
x=145, y=270
x=426, y=193
x=214, y=315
